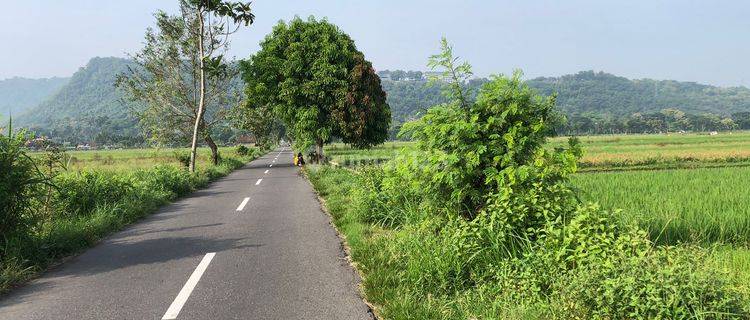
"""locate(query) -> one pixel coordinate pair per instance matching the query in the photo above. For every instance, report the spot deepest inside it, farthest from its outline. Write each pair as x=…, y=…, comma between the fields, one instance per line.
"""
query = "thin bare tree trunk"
x=201, y=98
x=214, y=149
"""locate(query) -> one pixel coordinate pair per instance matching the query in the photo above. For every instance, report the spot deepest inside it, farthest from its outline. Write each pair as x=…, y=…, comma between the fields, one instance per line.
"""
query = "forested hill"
x=588, y=93
x=606, y=94
x=596, y=93
x=17, y=95
x=87, y=108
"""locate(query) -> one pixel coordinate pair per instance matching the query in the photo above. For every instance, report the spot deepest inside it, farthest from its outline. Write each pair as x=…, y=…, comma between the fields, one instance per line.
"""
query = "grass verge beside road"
x=89, y=204
x=409, y=272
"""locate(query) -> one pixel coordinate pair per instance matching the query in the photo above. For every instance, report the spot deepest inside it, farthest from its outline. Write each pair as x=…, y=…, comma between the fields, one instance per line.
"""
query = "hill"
x=606, y=94
x=589, y=98
x=18, y=95
x=87, y=108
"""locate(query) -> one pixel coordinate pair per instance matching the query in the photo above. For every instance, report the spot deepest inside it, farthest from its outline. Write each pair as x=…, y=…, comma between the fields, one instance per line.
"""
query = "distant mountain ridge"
x=606, y=94
x=18, y=95
x=87, y=107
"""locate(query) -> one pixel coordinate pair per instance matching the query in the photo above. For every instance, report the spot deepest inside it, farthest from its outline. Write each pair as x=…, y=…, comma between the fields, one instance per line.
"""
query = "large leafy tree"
x=362, y=117
x=183, y=80
x=315, y=80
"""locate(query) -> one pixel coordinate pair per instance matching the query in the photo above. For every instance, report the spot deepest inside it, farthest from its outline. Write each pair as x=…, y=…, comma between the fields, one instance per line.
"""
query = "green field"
x=610, y=152
x=617, y=152
x=690, y=205
x=128, y=159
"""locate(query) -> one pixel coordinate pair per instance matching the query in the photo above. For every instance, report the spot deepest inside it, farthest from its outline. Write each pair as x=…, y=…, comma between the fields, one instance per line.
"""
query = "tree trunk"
x=214, y=150
x=319, y=151
x=202, y=97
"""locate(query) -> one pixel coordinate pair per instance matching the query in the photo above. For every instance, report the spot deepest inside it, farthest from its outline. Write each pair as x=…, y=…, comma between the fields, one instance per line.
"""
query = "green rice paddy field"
x=128, y=159
x=682, y=188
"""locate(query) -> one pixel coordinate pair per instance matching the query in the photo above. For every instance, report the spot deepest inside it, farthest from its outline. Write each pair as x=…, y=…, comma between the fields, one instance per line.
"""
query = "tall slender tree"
x=182, y=74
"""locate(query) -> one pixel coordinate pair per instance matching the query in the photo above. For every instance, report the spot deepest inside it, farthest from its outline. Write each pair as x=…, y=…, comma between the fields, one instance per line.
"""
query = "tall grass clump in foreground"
x=480, y=222
x=46, y=217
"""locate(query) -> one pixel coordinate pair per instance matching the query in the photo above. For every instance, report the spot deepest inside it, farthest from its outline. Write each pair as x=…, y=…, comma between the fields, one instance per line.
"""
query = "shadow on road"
x=115, y=257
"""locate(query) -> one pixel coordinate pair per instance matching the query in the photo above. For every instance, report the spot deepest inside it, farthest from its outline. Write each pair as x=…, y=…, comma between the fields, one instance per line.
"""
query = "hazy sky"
x=702, y=41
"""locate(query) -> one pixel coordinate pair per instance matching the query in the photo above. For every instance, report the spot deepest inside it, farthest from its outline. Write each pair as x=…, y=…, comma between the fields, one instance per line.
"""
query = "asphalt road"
x=212, y=255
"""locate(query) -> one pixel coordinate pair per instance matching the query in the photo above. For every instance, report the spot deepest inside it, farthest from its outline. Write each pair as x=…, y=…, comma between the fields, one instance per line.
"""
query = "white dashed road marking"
x=184, y=294
x=242, y=205
x=258, y=182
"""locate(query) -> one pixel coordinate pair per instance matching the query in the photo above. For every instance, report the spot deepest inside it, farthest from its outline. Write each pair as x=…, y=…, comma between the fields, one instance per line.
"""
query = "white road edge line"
x=242, y=205
x=179, y=301
x=258, y=182
x=266, y=171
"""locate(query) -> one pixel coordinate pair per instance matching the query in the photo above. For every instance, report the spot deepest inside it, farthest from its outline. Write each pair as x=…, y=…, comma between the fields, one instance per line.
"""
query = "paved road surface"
x=212, y=255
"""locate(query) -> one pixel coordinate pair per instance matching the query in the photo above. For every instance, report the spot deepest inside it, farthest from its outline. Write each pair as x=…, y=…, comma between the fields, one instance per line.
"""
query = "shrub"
x=165, y=179
x=80, y=193
x=503, y=223
x=183, y=157
x=19, y=179
x=242, y=150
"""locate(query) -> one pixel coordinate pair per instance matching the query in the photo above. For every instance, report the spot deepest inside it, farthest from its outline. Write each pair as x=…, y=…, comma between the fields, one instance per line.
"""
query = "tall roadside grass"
x=424, y=266
x=88, y=204
x=696, y=205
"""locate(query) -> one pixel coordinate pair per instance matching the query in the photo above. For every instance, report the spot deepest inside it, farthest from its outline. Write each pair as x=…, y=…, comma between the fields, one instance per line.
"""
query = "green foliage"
x=260, y=121
x=81, y=192
x=467, y=150
x=183, y=157
x=607, y=94
x=87, y=108
x=454, y=70
x=664, y=202
x=363, y=116
x=19, y=182
x=315, y=79
x=480, y=222
x=599, y=103
x=242, y=150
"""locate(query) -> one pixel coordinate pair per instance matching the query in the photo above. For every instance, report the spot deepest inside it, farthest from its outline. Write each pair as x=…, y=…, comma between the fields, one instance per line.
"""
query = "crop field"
x=126, y=159
x=345, y=156
x=611, y=152
x=703, y=205
x=617, y=152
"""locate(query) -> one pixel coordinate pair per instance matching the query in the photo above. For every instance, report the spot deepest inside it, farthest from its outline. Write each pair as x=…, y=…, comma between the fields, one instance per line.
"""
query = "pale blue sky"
x=702, y=41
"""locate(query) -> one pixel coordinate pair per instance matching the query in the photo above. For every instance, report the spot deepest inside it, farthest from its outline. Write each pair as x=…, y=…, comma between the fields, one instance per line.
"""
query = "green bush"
x=482, y=214
x=242, y=150
x=81, y=192
x=166, y=179
x=19, y=181
x=183, y=157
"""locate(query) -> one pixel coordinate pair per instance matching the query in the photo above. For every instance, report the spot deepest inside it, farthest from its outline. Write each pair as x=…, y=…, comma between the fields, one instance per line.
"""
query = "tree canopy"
x=318, y=83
